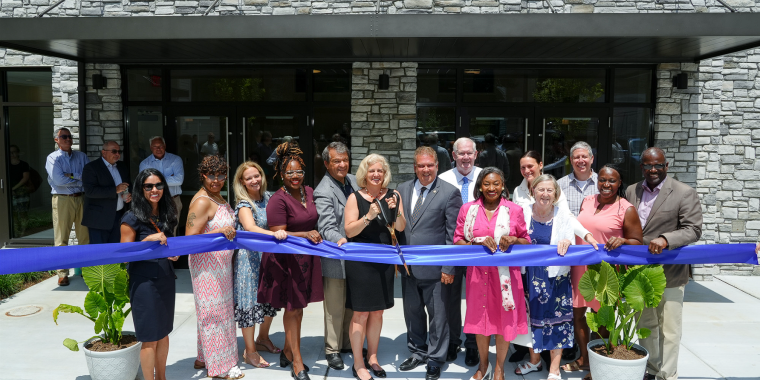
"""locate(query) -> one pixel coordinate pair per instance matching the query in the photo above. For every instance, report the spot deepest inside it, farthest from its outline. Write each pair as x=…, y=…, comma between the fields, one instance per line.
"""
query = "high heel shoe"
x=356, y=375
x=486, y=375
x=247, y=360
x=379, y=373
x=284, y=362
x=303, y=375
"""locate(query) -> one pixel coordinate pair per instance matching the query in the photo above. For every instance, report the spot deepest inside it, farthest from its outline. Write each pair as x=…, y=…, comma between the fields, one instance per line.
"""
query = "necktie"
x=465, y=189
x=418, y=205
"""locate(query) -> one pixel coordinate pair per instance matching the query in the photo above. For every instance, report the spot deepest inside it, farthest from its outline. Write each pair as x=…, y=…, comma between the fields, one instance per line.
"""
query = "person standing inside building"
x=671, y=216
x=493, y=156
x=330, y=197
x=434, y=206
x=170, y=165
x=106, y=194
x=463, y=177
x=431, y=140
x=64, y=169
x=210, y=148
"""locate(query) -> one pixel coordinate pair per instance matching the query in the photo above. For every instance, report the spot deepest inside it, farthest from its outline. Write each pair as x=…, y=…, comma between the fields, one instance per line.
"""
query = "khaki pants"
x=178, y=204
x=337, y=317
x=67, y=211
x=665, y=322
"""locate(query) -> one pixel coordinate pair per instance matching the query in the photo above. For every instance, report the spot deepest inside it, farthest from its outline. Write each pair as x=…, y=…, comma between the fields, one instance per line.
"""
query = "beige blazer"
x=677, y=216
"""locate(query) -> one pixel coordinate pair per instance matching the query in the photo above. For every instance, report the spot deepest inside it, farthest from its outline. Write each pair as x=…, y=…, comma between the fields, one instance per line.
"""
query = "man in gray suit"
x=671, y=216
x=434, y=206
x=330, y=197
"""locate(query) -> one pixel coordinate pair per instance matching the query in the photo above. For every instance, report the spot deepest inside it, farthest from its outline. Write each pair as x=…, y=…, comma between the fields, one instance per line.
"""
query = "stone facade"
x=105, y=120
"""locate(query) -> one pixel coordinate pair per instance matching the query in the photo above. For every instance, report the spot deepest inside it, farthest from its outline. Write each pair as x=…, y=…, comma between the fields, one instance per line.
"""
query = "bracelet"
x=366, y=221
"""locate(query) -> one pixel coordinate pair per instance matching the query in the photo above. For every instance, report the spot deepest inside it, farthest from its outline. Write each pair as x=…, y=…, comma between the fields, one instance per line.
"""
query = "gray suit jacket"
x=435, y=225
x=330, y=203
x=677, y=216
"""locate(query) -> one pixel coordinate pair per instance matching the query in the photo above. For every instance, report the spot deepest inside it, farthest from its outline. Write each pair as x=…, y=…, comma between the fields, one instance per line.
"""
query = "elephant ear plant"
x=622, y=293
x=104, y=304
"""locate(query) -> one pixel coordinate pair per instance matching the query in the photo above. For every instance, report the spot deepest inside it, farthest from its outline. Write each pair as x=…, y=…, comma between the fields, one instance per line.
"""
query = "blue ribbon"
x=50, y=258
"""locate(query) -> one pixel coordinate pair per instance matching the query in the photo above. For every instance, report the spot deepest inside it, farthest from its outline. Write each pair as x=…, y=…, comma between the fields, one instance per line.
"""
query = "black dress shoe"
x=409, y=364
x=433, y=373
x=648, y=376
x=519, y=355
x=303, y=375
x=569, y=353
x=379, y=373
x=284, y=362
x=356, y=375
x=334, y=361
x=471, y=357
x=452, y=354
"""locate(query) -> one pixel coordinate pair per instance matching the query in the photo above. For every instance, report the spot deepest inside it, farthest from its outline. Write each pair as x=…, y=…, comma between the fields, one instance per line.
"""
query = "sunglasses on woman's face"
x=220, y=177
x=150, y=186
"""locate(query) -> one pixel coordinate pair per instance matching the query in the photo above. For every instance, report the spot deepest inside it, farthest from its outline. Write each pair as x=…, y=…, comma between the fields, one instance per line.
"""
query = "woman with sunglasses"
x=211, y=273
x=152, y=217
x=292, y=281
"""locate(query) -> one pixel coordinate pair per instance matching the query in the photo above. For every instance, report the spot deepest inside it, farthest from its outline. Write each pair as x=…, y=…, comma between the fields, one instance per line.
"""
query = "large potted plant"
x=623, y=292
x=111, y=355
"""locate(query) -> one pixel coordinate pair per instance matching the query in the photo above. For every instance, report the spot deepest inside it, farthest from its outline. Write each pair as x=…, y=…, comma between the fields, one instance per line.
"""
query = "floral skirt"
x=551, y=309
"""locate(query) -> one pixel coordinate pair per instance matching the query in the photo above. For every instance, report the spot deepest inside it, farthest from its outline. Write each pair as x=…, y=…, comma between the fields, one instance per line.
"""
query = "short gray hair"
x=105, y=144
x=339, y=148
x=546, y=178
x=58, y=130
x=150, y=141
x=461, y=140
x=581, y=145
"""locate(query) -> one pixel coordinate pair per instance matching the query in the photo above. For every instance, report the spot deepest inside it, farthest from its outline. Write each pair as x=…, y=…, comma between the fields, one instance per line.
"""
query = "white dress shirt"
x=117, y=180
x=416, y=193
x=171, y=167
x=456, y=178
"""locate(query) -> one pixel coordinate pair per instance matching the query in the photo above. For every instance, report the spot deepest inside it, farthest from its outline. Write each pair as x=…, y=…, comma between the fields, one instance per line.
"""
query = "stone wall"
x=385, y=121
x=105, y=120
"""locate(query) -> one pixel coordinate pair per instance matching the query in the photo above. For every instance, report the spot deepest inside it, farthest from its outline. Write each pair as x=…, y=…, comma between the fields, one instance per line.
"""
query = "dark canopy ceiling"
x=541, y=38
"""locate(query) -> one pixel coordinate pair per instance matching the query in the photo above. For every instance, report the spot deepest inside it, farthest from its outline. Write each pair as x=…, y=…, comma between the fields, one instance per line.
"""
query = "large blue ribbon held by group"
x=50, y=258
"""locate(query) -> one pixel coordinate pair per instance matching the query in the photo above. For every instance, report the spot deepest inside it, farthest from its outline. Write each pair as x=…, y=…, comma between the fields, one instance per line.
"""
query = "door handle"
x=526, y=134
x=543, y=141
x=245, y=157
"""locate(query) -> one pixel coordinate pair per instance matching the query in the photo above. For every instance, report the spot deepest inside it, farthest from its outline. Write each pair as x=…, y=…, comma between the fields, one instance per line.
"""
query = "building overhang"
x=498, y=38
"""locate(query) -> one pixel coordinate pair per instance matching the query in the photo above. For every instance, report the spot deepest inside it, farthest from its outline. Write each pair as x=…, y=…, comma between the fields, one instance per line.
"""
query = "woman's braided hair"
x=286, y=152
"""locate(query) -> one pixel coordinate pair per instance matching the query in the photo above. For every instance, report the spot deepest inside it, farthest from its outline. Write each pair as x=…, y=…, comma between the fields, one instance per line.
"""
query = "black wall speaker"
x=383, y=82
x=681, y=81
x=98, y=81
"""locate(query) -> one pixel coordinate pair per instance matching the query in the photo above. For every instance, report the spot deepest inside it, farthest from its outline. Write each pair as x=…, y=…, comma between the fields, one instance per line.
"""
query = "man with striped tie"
x=463, y=177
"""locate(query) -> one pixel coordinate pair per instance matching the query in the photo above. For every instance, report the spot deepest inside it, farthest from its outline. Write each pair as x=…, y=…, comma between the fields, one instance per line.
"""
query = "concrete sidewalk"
x=721, y=338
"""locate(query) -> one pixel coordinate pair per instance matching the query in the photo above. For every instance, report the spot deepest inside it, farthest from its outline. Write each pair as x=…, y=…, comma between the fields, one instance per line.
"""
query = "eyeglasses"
x=113, y=151
x=656, y=166
x=64, y=137
x=219, y=177
x=294, y=173
x=150, y=186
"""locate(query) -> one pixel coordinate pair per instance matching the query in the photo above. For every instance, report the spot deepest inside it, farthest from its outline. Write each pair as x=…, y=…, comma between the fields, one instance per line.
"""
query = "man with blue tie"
x=64, y=169
x=170, y=165
x=106, y=195
x=463, y=177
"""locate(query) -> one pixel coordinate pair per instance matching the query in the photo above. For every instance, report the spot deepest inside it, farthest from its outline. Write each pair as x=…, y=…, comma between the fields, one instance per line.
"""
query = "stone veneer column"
x=105, y=120
x=385, y=121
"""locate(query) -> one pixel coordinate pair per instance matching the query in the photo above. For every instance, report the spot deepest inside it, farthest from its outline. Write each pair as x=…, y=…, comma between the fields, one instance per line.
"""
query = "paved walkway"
x=721, y=337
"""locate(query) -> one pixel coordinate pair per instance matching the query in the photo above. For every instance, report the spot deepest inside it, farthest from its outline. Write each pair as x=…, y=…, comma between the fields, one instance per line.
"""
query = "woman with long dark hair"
x=152, y=217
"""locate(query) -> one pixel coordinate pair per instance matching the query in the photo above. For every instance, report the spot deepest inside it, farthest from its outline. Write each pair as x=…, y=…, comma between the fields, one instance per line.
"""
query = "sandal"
x=527, y=367
x=554, y=377
x=574, y=367
x=587, y=377
x=261, y=362
x=199, y=364
x=264, y=347
x=233, y=373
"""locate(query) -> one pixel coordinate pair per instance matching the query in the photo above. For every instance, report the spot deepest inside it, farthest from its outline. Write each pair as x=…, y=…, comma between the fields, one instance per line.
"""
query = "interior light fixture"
x=315, y=71
x=472, y=71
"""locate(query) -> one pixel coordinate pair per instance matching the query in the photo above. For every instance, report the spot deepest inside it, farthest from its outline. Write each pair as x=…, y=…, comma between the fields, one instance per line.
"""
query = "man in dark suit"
x=330, y=198
x=434, y=206
x=106, y=195
x=671, y=216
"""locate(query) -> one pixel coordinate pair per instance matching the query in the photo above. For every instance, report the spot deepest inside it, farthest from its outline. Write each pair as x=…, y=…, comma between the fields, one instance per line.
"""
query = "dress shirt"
x=117, y=181
x=574, y=193
x=346, y=187
x=416, y=193
x=171, y=167
x=648, y=197
x=210, y=149
x=455, y=178
x=60, y=162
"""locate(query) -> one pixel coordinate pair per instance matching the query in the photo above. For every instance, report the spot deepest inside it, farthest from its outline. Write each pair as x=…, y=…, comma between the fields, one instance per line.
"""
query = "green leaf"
x=121, y=287
x=638, y=291
x=63, y=308
x=607, y=289
x=94, y=304
x=71, y=344
x=101, y=277
x=592, y=319
x=606, y=316
x=587, y=284
x=643, y=333
x=656, y=276
x=100, y=322
x=595, y=267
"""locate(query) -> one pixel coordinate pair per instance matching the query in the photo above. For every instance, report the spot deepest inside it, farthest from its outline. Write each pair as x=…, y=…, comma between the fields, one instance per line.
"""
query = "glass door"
x=560, y=128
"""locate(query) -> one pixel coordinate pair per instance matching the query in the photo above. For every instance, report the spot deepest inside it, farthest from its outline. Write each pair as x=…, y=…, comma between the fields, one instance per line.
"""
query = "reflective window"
x=30, y=86
x=544, y=86
x=332, y=85
x=250, y=85
x=633, y=85
x=330, y=124
x=199, y=136
x=144, y=84
x=144, y=123
x=264, y=132
x=630, y=137
x=436, y=85
x=437, y=126
x=561, y=133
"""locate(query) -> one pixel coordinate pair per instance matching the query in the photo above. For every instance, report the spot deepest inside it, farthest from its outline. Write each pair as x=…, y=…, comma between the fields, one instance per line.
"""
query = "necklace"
x=212, y=196
x=303, y=194
x=373, y=197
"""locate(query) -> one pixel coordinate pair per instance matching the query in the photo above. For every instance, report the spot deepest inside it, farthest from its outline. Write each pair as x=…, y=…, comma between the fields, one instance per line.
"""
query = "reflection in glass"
x=239, y=85
x=541, y=85
x=263, y=133
x=199, y=136
x=144, y=84
x=436, y=85
x=144, y=123
x=440, y=121
x=630, y=137
x=30, y=86
x=560, y=134
x=633, y=85
x=30, y=137
x=332, y=85
x=509, y=133
x=330, y=124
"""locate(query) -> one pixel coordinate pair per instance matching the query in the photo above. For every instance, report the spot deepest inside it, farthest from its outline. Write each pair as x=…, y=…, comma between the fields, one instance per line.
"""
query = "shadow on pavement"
x=695, y=292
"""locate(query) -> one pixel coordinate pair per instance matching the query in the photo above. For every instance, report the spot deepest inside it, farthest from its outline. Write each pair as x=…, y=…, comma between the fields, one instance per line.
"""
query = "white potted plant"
x=623, y=292
x=111, y=355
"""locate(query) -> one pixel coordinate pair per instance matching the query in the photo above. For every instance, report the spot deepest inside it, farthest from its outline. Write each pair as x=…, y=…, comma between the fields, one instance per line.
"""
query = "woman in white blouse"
x=531, y=167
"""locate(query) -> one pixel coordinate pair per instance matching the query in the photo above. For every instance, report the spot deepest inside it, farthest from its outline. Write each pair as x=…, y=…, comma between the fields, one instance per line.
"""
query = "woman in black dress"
x=369, y=286
x=152, y=217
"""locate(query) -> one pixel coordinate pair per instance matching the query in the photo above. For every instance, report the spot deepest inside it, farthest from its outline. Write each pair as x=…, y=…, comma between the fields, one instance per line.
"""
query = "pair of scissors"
x=392, y=230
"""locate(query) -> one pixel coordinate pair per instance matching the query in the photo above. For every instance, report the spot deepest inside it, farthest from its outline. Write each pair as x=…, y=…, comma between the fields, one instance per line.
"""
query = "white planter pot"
x=604, y=368
x=113, y=365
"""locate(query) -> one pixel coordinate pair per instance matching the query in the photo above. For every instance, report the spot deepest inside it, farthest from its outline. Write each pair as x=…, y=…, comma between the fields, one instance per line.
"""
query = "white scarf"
x=502, y=228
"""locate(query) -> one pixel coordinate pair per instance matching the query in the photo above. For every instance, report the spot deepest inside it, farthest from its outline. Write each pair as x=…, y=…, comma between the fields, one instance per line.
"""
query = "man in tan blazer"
x=671, y=217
